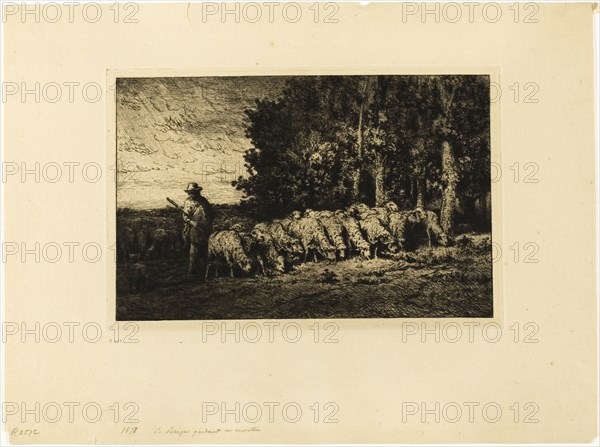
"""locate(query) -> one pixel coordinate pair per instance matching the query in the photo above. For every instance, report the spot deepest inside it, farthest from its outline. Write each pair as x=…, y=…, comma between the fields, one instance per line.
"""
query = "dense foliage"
x=329, y=141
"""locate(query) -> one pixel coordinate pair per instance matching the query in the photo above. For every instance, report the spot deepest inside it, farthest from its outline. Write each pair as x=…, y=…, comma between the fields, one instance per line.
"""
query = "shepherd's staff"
x=185, y=213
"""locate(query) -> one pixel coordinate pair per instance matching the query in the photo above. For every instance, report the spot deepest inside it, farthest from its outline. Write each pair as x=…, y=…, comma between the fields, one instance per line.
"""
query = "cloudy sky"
x=171, y=131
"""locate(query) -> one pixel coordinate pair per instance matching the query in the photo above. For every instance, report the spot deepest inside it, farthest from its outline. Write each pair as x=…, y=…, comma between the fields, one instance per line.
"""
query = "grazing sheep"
x=282, y=240
x=143, y=242
x=333, y=229
x=412, y=224
x=137, y=274
x=285, y=222
x=248, y=244
x=318, y=214
x=285, y=244
x=359, y=210
x=227, y=246
x=392, y=207
x=399, y=224
x=125, y=243
x=376, y=235
x=383, y=213
x=262, y=247
x=354, y=237
x=163, y=243
x=311, y=234
x=432, y=227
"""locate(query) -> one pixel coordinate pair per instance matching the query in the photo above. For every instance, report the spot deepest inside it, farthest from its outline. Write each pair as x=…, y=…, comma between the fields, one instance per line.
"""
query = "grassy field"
x=438, y=282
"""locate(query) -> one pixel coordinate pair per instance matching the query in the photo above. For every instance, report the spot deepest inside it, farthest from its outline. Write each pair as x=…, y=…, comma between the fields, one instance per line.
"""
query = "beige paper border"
x=169, y=373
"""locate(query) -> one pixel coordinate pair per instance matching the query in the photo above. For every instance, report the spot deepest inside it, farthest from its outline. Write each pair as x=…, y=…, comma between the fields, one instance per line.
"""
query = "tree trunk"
x=449, y=181
x=418, y=153
x=379, y=175
x=359, y=155
x=356, y=176
x=420, y=192
x=356, y=185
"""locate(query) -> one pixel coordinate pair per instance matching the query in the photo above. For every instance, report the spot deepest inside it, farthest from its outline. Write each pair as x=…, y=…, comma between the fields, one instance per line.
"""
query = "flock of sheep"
x=140, y=243
x=272, y=247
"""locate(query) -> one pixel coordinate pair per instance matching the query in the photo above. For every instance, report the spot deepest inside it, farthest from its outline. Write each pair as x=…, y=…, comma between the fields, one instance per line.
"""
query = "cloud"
x=168, y=127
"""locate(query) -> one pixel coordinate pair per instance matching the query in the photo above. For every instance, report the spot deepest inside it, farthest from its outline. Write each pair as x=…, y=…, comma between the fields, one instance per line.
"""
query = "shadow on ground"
x=430, y=282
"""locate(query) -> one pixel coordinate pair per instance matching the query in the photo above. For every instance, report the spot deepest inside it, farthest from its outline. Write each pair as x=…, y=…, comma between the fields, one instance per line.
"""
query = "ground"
x=429, y=282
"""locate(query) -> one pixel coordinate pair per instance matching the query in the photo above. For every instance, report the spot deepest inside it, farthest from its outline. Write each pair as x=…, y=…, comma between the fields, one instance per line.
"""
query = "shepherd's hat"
x=193, y=187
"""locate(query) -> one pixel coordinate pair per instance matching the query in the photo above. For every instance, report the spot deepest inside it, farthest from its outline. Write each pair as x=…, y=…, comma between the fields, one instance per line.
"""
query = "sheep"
x=374, y=230
x=383, y=213
x=335, y=232
x=398, y=226
x=137, y=274
x=318, y=214
x=248, y=244
x=376, y=234
x=392, y=207
x=285, y=244
x=227, y=246
x=311, y=234
x=404, y=224
x=125, y=243
x=333, y=228
x=432, y=227
x=359, y=210
x=262, y=247
x=282, y=240
x=285, y=222
x=163, y=242
x=143, y=242
x=354, y=237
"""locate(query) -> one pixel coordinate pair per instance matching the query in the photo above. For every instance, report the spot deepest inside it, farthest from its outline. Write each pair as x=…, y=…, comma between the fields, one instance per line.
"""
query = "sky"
x=172, y=131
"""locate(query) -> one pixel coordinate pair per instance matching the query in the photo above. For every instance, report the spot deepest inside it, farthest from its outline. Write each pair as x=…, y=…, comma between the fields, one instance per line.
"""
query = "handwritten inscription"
x=179, y=432
x=26, y=432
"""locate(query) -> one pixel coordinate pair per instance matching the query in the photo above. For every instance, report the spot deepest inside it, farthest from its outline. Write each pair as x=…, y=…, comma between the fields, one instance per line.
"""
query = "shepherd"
x=198, y=216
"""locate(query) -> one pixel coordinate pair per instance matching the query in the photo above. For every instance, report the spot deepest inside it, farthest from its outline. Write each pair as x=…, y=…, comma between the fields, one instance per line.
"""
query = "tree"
x=380, y=143
x=412, y=109
x=463, y=128
x=446, y=90
x=302, y=153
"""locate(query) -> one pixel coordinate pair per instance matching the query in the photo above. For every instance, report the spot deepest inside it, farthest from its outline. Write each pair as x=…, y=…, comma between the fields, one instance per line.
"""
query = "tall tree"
x=363, y=102
x=463, y=130
x=446, y=88
x=413, y=110
x=381, y=145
